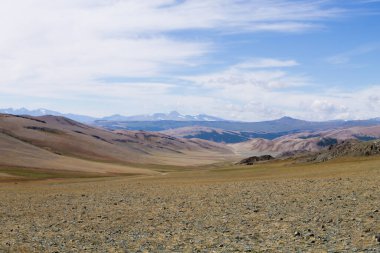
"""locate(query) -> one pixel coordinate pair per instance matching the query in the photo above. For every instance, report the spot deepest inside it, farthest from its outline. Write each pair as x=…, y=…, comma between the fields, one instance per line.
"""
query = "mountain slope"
x=40, y=141
x=349, y=148
x=305, y=141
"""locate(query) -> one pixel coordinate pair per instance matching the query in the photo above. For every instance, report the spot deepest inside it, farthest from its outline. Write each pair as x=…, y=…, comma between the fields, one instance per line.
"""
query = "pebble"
x=192, y=217
x=377, y=238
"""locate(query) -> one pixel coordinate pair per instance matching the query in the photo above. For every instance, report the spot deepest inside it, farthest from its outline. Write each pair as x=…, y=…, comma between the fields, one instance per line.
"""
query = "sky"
x=246, y=60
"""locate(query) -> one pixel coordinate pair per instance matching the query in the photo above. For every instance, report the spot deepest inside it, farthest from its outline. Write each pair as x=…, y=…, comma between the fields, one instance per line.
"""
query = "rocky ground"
x=193, y=212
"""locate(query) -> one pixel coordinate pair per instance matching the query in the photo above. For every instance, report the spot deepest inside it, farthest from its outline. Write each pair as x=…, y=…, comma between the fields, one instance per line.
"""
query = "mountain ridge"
x=306, y=141
x=283, y=125
x=173, y=115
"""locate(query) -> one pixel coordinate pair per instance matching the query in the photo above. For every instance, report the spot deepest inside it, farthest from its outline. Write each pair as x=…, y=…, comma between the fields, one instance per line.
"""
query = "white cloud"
x=62, y=49
x=265, y=63
x=79, y=40
x=261, y=73
x=323, y=109
x=345, y=57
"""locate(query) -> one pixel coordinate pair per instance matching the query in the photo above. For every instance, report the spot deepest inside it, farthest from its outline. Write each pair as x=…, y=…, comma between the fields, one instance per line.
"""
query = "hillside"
x=64, y=144
x=349, y=148
x=305, y=141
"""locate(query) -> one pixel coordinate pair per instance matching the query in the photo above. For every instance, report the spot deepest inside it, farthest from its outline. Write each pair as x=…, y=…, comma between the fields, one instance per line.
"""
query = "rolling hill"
x=311, y=141
x=52, y=142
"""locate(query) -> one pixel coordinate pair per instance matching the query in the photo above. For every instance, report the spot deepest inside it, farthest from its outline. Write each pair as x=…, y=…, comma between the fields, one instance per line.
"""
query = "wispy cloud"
x=259, y=63
x=265, y=73
x=77, y=41
x=66, y=50
x=346, y=57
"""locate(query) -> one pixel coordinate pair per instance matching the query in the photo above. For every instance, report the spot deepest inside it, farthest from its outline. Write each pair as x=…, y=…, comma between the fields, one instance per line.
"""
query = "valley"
x=67, y=186
x=60, y=144
x=189, y=126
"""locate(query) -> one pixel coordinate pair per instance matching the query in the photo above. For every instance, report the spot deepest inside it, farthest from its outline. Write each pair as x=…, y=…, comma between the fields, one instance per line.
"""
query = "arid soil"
x=320, y=208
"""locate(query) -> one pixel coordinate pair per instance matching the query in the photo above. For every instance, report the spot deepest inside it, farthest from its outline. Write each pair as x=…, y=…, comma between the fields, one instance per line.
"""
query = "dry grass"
x=271, y=207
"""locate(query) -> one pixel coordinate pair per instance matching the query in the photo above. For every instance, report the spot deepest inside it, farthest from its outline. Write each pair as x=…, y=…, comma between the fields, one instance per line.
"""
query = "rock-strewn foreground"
x=243, y=209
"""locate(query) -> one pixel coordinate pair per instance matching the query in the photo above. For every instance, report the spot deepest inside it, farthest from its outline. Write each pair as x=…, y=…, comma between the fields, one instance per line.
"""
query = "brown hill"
x=61, y=143
x=349, y=148
x=305, y=141
x=274, y=147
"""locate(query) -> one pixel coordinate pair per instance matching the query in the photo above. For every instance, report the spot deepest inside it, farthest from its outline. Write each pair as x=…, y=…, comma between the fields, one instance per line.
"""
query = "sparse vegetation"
x=180, y=195
x=277, y=206
x=25, y=174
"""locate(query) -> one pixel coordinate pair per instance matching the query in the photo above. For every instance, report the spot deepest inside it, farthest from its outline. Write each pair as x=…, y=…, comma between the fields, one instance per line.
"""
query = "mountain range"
x=175, y=116
x=44, y=112
x=203, y=126
x=234, y=131
x=59, y=143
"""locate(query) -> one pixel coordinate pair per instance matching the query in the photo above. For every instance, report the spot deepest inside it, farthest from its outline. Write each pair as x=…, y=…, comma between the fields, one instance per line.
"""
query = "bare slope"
x=57, y=142
x=305, y=141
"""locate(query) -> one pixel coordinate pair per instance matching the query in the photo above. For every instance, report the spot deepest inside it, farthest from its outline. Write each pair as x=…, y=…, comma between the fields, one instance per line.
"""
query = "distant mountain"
x=285, y=125
x=24, y=111
x=219, y=135
x=43, y=112
x=204, y=126
x=310, y=141
x=175, y=116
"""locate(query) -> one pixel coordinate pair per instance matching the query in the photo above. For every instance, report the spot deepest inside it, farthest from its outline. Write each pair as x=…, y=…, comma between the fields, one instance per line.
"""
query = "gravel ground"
x=168, y=214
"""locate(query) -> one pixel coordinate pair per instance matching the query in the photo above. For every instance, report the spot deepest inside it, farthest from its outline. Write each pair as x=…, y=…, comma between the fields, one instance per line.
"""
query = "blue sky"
x=242, y=60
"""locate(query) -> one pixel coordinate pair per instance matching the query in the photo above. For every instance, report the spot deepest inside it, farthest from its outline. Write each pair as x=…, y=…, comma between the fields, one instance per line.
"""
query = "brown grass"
x=271, y=207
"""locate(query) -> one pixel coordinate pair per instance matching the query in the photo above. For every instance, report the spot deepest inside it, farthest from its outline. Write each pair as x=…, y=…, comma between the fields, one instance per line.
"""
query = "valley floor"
x=276, y=207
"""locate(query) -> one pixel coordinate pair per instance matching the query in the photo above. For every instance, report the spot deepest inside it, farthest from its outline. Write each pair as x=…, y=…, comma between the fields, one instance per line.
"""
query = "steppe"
x=280, y=206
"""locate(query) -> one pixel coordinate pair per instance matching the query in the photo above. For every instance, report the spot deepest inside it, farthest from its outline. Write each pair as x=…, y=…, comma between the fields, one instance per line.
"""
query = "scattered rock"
x=254, y=159
x=377, y=238
x=194, y=216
